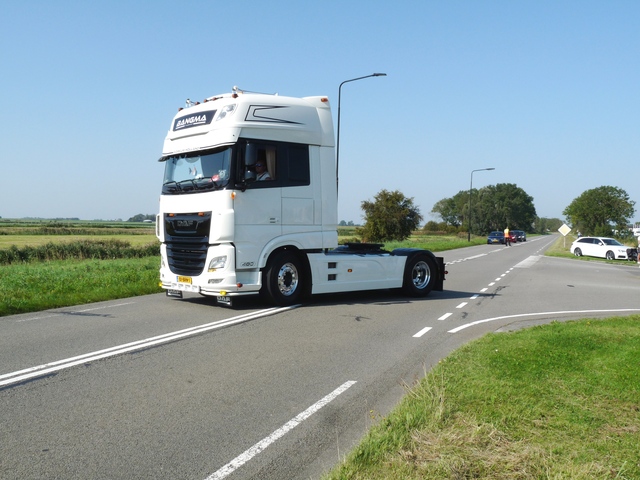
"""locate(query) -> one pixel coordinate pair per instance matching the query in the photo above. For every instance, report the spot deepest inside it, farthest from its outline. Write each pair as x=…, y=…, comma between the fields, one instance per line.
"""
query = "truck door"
x=258, y=210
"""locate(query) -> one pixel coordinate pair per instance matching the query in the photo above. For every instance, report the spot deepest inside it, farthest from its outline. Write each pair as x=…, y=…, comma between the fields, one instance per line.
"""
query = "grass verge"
x=555, y=401
x=436, y=243
x=30, y=287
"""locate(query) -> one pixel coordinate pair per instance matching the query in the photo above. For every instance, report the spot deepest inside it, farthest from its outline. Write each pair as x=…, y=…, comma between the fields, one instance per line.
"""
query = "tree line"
x=392, y=216
x=489, y=208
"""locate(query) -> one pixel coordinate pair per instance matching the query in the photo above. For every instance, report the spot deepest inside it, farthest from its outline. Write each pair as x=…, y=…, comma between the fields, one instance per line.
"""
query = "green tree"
x=544, y=225
x=450, y=210
x=492, y=208
x=391, y=216
x=141, y=218
x=505, y=204
x=432, y=226
x=599, y=210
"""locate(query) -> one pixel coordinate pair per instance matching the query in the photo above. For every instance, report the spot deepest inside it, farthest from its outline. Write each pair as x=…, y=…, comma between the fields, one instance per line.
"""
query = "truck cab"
x=249, y=203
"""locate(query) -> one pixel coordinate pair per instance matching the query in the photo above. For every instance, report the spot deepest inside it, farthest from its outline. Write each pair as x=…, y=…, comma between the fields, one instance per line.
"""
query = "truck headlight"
x=217, y=263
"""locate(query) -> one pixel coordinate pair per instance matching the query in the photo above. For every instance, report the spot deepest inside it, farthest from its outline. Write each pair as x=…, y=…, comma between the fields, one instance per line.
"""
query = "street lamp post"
x=470, y=188
x=338, y=128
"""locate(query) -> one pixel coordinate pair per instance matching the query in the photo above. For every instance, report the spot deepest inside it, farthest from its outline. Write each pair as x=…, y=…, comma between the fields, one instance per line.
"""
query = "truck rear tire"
x=283, y=279
x=420, y=274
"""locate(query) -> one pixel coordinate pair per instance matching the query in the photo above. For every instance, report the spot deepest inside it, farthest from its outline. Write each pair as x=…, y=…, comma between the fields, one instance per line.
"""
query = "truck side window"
x=261, y=164
x=276, y=164
x=298, y=171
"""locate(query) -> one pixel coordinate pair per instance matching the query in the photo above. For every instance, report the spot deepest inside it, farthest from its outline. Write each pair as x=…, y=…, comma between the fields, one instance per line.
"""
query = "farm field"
x=57, y=264
x=33, y=233
x=6, y=241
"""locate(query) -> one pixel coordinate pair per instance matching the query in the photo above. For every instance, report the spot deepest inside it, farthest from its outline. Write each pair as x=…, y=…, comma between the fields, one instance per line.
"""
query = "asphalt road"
x=153, y=387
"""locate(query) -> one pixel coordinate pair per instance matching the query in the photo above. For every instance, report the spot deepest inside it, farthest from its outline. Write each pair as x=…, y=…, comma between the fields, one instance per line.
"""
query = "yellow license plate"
x=184, y=280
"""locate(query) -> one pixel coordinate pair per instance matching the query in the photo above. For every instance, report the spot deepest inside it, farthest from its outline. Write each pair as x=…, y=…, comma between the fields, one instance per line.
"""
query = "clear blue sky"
x=547, y=92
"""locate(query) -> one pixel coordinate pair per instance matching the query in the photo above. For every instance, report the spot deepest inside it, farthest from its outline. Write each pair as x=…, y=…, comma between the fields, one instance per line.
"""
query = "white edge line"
x=40, y=370
x=243, y=458
x=462, y=327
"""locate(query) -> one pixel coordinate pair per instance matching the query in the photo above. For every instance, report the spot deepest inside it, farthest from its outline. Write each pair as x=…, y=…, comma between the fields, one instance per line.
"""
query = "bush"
x=80, y=250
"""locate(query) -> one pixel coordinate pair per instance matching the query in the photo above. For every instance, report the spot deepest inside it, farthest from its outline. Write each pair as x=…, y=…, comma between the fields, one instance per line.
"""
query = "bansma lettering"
x=194, y=120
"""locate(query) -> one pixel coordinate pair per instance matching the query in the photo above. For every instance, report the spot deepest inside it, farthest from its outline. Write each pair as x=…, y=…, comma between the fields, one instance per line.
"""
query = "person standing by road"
x=507, y=237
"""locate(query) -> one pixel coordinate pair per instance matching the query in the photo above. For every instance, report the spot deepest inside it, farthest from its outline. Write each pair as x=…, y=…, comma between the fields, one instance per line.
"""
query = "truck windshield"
x=197, y=171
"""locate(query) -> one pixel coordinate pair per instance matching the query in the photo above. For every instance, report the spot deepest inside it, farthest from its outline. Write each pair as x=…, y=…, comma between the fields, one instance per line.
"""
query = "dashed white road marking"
x=422, y=332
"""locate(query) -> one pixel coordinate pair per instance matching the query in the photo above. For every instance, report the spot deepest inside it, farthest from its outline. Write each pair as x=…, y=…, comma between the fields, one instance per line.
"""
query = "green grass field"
x=32, y=287
x=48, y=265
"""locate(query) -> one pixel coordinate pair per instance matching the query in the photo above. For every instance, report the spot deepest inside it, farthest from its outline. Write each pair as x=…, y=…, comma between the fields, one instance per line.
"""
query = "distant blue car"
x=496, y=237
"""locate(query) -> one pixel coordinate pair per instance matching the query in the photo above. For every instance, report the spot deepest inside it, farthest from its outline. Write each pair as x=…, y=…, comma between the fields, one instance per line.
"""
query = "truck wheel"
x=282, y=279
x=419, y=275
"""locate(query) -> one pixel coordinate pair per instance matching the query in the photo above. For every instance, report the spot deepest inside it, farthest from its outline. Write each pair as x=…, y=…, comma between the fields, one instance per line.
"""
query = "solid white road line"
x=462, y=327
x=48, y=368
x=243, y=458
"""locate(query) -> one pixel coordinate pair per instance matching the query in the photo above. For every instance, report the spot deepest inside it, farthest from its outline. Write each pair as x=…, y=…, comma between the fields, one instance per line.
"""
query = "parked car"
x=521, y=236
x=602, y=247
x=495, y=237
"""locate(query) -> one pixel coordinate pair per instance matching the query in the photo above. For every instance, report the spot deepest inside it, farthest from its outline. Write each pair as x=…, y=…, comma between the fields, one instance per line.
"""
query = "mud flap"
x=439, y=286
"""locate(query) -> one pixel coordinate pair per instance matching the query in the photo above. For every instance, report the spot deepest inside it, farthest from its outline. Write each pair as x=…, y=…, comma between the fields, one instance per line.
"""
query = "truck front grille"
x=187, y=241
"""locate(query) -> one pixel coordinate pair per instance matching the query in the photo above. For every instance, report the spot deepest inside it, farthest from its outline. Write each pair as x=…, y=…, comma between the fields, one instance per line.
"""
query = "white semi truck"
x=249, y=205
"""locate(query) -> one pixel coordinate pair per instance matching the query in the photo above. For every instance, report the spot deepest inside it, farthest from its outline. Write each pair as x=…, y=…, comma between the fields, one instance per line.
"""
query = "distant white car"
x=602, y=247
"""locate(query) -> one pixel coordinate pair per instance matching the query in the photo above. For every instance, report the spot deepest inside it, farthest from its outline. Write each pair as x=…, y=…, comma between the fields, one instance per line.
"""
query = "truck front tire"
x=419, y=275
x=283, y=279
